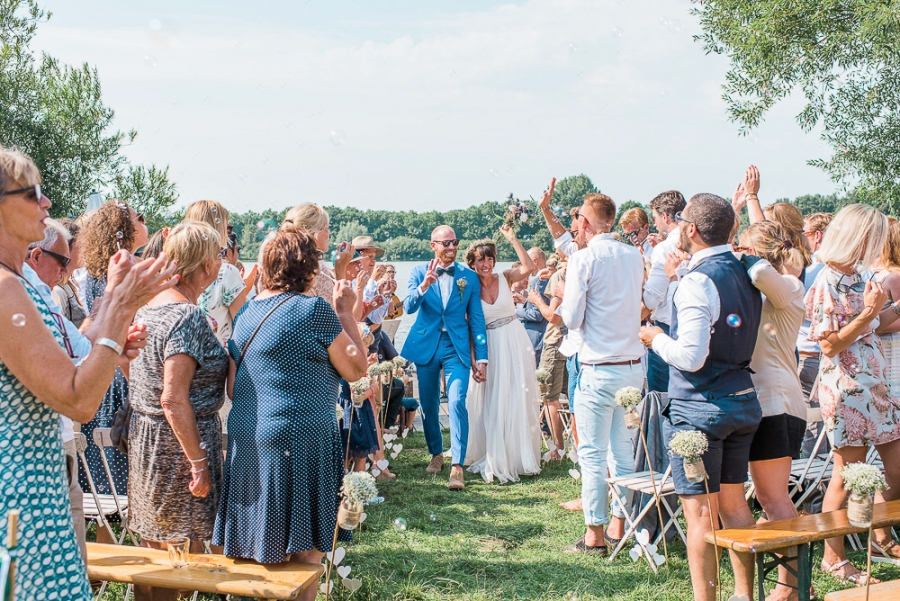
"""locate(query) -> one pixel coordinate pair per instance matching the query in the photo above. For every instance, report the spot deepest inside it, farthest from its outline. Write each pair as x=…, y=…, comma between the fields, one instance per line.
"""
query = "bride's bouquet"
x=517, y=212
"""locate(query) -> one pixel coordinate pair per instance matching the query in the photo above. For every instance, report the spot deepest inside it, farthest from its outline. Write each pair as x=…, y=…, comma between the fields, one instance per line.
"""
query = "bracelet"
x=895, y=308
x=110, y=344
x=198, y=471
x=201, y=460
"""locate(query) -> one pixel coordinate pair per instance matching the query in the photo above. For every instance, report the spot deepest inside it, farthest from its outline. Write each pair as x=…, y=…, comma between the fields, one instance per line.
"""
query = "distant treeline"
x=405, y=234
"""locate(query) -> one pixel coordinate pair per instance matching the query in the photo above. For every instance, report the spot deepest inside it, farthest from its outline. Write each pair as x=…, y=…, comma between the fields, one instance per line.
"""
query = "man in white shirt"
x=636, y=228
x=602, y=307
x=715, y=319
x=663, y=208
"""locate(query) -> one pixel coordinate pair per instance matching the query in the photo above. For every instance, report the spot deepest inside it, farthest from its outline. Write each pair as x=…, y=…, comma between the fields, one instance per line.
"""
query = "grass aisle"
x=493, y=542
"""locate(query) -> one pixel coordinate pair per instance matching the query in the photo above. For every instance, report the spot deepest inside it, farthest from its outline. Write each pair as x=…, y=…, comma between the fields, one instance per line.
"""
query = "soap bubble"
x=484, y=513
x=260, y=225
x=205, y=237
x=733, y=320
x=218, y=220
x=120, y=235
x=432, y=517
x=352, y=351
x=338, y=138
x=18, y=320
x=400, y=524
x=213, y=209
x=150, y=60
x=77, y=159
x=770, y=330
x=64, y=176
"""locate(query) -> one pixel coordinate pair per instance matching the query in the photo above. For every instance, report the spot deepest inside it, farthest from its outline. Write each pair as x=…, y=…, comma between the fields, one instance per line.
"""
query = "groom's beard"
x=447, y=255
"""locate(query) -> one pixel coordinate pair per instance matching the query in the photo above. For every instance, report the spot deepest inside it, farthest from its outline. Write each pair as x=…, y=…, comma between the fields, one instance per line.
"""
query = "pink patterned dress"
x=856, y=403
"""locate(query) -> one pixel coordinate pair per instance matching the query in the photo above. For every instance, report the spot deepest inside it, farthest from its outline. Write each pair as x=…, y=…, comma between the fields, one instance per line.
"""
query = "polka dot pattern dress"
x=33, y=480
x=284, y=462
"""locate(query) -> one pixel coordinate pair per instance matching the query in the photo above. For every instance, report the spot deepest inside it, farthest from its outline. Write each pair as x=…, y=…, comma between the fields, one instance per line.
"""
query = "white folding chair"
x=103, y=439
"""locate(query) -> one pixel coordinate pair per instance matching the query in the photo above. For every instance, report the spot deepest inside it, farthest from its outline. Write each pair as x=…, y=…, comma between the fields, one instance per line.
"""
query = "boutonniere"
x=461, y=283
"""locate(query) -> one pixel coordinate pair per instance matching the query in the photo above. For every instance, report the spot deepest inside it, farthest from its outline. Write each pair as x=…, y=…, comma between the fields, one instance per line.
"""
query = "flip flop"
x=858, y=579
x=883, y=554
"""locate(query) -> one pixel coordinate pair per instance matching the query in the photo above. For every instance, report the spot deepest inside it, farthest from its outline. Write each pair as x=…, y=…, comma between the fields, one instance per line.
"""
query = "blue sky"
x=423, y=105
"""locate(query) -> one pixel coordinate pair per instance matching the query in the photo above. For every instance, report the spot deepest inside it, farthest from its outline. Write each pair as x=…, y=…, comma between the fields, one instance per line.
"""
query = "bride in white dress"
x=504, y=410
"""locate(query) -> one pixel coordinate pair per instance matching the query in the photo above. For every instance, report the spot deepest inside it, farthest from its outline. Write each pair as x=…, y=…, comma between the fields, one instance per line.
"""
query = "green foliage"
x=570, y=191
x=841, y=55
x=149, y=191
x=55, y=114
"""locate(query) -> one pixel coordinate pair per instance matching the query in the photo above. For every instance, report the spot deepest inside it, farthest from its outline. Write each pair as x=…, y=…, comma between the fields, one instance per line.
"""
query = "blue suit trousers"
x=457, y=376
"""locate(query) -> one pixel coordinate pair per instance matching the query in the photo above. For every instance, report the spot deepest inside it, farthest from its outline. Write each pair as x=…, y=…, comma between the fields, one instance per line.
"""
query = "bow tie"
x=448, y=270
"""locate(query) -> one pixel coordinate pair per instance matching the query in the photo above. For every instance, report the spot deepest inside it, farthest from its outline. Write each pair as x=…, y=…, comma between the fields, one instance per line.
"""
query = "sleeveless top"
x=727, y=367
x=503, y=311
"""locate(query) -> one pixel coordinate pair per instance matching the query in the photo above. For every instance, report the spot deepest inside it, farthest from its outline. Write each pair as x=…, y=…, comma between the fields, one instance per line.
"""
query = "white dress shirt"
x=81, y=346
x=698, y=306
x=657, y=286
x=369, y=294
x=566, y=244
x=602, y=301
x=445, y=286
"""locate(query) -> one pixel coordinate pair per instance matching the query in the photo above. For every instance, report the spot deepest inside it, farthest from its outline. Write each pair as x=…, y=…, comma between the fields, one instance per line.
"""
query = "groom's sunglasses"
x=446, y=243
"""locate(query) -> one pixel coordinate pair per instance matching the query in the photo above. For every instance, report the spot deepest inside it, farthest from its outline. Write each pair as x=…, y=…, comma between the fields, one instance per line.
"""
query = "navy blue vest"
x=727, y=367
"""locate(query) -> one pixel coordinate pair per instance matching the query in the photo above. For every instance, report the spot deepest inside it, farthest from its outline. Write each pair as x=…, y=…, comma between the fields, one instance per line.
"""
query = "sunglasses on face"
x=63, y=260
x=681, y=219
x=31, y=192
x=446, y=243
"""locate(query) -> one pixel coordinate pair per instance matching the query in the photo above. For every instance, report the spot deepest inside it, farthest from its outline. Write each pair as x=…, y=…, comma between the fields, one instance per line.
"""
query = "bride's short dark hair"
x=479, y=249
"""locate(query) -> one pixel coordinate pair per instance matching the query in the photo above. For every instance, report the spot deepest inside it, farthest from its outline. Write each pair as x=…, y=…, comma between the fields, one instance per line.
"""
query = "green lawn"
x=495, y=543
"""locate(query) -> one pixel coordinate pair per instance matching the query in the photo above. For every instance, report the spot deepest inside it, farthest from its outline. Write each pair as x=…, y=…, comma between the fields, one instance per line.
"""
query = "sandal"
x=612, y=542
x=580, y=546
x=889, y=553
x=858, y=579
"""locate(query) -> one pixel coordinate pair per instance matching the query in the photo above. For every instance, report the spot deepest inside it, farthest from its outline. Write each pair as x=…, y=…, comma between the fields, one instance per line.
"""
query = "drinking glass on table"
x=178, y=551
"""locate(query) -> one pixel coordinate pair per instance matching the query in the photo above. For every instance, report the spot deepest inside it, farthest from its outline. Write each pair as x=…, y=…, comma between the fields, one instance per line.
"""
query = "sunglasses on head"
x=446, y=243
x=31, y=192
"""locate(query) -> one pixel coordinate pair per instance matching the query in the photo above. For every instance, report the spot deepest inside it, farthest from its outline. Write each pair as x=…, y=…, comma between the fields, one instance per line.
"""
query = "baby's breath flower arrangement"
x=863, y=481
x=358, y=489
x=543, y=379
x=339, y=411
x=629, y=398
x=359, y=390
x=691, y=445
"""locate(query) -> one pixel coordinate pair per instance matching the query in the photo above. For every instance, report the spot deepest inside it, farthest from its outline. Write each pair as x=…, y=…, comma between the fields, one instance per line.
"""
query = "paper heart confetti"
x=562, y=453
x=382, y=464
x=551, y=446
x=398, y=447
x=573, y=455
x=660, y=559
x=651, y=548
x=344, y=571
x=405, y=432
x=326, y=587
x=337, y=556
x=635, y=553
x=389, y=437
x=388, y=446
x=575, y=473
x=376, y=472
x=352, y=584
x=394, y=454
x=362, y=517
x=643, y=537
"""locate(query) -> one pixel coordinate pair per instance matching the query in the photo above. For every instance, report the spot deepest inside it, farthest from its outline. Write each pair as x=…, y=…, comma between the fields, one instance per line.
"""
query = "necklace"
x=8, y=268
x=182, y=293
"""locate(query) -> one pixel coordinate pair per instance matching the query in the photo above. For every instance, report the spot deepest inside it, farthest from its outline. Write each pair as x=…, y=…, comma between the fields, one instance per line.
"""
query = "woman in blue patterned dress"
x=38, y=381
x=284, y=462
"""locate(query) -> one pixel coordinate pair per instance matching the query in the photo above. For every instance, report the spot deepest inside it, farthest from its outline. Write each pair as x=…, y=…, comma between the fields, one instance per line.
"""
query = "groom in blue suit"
x=447, y=296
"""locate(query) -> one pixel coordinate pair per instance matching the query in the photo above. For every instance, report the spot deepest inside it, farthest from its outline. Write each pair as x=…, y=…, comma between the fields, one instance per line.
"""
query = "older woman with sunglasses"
x=39, y=381
x=857, y=406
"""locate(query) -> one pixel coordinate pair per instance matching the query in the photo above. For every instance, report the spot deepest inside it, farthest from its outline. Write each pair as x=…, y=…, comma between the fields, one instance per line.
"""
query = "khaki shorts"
x=555, y=363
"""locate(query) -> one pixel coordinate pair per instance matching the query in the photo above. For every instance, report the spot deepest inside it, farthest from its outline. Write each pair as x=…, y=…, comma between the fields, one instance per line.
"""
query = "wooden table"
x=781, y=537
x=204, y=573
x=886, y=591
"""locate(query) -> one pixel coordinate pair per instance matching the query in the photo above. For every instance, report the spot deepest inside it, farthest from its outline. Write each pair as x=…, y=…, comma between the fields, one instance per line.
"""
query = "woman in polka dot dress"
x=284, y=461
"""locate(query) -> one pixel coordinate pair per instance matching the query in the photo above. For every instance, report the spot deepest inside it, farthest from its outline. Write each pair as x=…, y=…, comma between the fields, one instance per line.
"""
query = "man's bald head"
x=443, y=232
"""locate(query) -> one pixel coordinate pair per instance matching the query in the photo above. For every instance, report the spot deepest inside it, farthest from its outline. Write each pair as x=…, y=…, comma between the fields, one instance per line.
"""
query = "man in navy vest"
x=715, y=319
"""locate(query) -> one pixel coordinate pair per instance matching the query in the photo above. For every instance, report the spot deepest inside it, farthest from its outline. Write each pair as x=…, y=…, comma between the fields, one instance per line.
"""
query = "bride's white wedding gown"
x=504, y=411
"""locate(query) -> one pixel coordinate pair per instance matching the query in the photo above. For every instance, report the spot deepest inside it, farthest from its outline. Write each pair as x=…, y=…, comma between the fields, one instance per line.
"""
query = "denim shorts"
x=729, y=424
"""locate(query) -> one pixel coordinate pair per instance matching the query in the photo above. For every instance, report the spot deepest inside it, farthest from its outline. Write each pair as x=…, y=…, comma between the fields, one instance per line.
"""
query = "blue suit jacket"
x=462, y=315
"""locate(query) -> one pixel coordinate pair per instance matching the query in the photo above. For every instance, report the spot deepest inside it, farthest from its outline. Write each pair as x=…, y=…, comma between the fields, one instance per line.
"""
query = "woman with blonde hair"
x=887, y=272
x=314, y=219
x=857, y=406
x=774, y=366
x=177, y=389
x=225, y=296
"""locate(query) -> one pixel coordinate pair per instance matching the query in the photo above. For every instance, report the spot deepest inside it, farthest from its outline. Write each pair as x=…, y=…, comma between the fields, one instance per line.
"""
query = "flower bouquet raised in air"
x=357, y=490
x=691, y=445
x=863, y=481
x=517, y=212
x=629, y=398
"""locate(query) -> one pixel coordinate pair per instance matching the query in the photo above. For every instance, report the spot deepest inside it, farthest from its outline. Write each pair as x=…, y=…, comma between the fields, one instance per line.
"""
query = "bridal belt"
x=500, y=322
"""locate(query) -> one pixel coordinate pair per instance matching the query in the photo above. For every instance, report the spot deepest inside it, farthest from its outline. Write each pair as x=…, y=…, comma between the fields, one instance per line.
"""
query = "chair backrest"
x=102, y=438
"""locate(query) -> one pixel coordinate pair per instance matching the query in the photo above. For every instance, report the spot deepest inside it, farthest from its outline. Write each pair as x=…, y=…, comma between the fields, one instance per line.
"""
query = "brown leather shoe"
x=437, y=464
x=456, y=479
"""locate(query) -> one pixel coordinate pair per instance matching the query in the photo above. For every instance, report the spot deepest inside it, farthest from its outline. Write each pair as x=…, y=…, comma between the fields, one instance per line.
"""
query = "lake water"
x=403, y=269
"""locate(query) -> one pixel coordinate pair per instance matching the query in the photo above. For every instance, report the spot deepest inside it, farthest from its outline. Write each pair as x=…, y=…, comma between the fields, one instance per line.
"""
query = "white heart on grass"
x=362, y=517
x=344, y=571
x=394, y=454
x=326, y=588
x=575, y=474
x=382, y=464
x=573, y=455
x=398, y=447
x=551, y=446
x=388, y=447
x=337, y=556
x=376, y=472
x=635, y=553
x=405, y=432
x=643, y=537
x=660, y=559
x=389, y=437
x=352, y=584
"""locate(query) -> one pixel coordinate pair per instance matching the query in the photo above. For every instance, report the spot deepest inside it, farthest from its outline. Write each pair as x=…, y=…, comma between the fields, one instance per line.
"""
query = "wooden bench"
x=886, y=591
x=783, y=536
x=204, y=573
